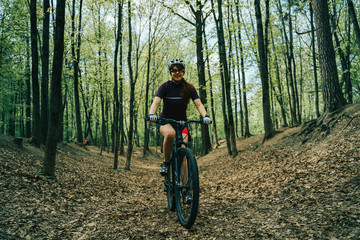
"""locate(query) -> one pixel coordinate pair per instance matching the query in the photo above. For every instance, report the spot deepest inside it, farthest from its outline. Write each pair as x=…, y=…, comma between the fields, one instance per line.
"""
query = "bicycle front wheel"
x=187, y=193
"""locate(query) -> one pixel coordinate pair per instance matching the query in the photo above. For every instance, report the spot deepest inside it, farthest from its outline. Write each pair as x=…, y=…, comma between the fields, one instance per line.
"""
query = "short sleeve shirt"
x=174, y=107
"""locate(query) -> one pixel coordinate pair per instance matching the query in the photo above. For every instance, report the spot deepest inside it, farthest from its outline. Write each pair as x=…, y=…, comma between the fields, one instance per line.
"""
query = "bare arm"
x=200, y=107
x=154, y=106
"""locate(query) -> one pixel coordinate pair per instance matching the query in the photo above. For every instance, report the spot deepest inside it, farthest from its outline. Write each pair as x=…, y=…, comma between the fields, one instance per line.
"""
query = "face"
x=176, y=73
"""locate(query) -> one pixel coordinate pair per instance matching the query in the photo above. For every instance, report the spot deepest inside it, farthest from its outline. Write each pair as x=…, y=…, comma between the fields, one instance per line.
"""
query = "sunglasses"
x=174, y=70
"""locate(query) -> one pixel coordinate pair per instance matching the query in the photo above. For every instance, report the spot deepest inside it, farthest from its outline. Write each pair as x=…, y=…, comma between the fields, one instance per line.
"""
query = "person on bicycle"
x=176, y=94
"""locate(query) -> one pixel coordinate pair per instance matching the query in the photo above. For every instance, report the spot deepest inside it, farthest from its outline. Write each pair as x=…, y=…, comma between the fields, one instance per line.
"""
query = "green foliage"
x=172, y=36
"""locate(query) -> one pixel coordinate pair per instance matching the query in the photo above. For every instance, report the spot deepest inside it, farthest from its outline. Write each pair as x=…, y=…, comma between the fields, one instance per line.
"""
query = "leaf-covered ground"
x=299, y=185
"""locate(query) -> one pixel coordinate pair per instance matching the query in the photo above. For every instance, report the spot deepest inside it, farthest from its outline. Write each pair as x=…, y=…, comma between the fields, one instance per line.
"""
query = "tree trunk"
x=263, y=73
x=289, y=70
x=246, y=112
x=116, y=97
x=55, y=102
x=212, y=105
x=221, y=45
x=333, y=97
x=132, y=95
x=206, y=144
x=317, y=110
x=343, y=58
x=279, y=96
x=45, y=72
x=28, y=91
x=75, y=63
x=226, y=80
x=354, y=21
x=34, y=76
x=147, y=86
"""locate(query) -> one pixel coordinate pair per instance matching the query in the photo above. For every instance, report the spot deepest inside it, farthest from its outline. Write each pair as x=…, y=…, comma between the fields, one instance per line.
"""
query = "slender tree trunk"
x=221, y=43
x=206, y=144
x=226, y=80
x=132, y=95
x=147, y=86
x=246, y=112
x=34, y=76
x=45, y=71
x=345, y=75
x=317, y=109
x=212, y=105
x=238, y=86
x=288, y=59
x=28, y=91
x=279, y=96
x=354, y=21
x=264, y=73
x=296, y=107
x=75, y=62
x=333, y=97
x=121, y=98
x=232, y=68
x=116, y=98
x=348, y=83
x=55, y=102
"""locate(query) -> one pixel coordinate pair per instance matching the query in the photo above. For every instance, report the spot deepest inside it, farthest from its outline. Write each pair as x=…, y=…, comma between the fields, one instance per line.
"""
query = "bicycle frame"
x=177, y=144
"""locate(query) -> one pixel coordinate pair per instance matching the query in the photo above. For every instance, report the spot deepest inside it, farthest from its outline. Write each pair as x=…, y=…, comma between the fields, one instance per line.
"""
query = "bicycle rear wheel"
x=170, y=188
x=188, y=189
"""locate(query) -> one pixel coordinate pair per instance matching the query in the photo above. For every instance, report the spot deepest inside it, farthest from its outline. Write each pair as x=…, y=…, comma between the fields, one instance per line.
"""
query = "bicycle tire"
x=170, y=188
x=187, y=212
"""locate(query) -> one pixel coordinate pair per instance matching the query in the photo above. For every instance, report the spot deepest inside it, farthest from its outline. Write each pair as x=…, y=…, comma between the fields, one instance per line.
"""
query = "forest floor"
x=299, y=185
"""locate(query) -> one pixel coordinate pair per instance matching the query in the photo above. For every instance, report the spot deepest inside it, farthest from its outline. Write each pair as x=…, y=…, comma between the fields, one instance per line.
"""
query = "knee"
x=169, y=136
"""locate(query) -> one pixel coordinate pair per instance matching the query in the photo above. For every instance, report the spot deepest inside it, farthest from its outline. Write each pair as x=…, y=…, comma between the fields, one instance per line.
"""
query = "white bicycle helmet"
x=176, y=61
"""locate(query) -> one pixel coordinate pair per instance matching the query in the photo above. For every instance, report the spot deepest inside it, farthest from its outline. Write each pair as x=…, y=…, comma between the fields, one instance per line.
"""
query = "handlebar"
x=163, y=121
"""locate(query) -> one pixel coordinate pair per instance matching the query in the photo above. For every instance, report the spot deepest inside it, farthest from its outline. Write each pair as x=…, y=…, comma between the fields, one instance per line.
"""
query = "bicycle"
x=182, y=177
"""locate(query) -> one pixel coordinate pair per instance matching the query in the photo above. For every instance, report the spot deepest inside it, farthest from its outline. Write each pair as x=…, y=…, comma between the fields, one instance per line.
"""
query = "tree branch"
x=177, y=14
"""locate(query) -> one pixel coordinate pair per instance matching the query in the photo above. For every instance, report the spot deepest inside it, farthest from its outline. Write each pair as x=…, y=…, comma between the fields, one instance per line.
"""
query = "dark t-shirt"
x=174, y=107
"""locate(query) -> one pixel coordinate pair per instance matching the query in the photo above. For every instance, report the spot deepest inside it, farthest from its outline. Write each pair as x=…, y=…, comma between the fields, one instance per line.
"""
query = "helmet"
x=176, y=62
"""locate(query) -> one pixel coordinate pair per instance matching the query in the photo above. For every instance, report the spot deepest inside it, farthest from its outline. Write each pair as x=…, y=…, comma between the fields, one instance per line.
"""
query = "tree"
x=55, y=100
x=246, y=112
x=116, y=89
x=317, y=110
x=75, y=51
x=212, y=104
x=45, y=71
x=354, y=21
x=344, y=55
x=269, y=133
x=132, y=94
x=34, y=75
x=225, y=78
x=333, y=97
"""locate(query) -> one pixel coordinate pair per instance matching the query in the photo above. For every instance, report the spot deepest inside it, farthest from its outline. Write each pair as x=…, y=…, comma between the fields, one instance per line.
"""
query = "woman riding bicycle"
x=176, y=94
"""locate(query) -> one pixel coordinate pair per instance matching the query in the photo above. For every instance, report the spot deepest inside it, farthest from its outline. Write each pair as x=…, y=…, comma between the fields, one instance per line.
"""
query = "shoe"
x=187, y=197
x=163, y=169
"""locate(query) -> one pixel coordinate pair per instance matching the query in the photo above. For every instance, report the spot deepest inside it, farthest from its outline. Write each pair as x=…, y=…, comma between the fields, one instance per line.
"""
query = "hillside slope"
x=301, y=184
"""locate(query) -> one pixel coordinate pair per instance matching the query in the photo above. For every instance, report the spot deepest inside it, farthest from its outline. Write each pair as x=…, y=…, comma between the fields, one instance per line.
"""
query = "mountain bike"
x=181, y=183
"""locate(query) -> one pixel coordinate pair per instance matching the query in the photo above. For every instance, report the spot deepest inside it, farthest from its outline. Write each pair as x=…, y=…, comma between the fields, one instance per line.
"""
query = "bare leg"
x=169, y=136
x=184, y=167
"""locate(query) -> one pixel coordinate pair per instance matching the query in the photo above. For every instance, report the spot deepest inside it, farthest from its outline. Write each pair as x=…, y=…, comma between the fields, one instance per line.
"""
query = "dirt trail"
x=292, y=187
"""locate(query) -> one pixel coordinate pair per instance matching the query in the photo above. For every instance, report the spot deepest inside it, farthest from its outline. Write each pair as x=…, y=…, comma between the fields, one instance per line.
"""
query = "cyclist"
x=176, y=94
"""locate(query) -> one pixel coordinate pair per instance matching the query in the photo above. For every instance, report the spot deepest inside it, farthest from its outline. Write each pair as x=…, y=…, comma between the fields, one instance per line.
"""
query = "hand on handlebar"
x=152, y=118
x=206, y=120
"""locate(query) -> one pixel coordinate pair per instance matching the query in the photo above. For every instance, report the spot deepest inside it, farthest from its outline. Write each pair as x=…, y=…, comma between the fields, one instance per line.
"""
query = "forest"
x=76, y=70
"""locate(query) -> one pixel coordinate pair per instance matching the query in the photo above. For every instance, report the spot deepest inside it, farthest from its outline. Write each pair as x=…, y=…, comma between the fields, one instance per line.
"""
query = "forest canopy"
x=238, y=54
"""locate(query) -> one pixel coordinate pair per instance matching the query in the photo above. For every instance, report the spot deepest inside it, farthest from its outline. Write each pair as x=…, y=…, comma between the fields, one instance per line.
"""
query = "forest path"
x=291, y=187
